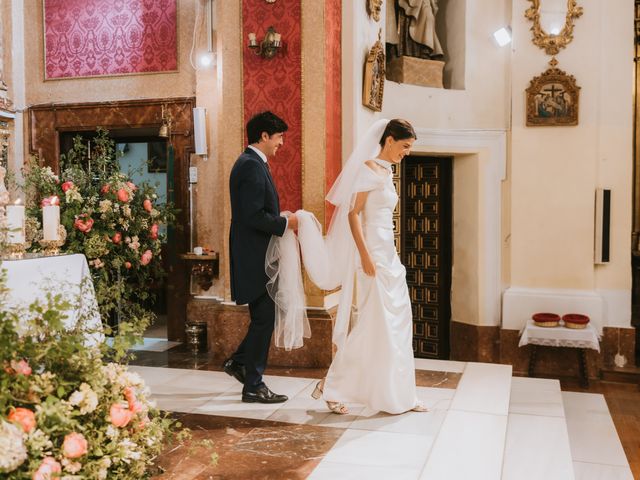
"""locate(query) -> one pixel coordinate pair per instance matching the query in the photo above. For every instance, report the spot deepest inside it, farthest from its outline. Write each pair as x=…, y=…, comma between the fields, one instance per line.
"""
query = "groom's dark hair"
x=264, y=122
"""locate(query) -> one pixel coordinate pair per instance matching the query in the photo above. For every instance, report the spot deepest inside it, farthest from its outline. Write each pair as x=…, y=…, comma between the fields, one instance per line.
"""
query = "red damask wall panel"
x=86, y=38
x=333, y=75
x=276, y=84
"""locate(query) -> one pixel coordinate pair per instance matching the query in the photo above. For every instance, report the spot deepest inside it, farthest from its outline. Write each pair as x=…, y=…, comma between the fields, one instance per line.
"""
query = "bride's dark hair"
x=398, y=129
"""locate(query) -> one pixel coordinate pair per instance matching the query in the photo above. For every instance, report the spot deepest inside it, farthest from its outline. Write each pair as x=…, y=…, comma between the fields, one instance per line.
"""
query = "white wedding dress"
x=375, y=366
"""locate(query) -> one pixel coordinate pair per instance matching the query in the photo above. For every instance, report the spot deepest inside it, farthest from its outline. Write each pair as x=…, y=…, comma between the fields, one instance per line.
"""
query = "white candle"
x=252, y=39
x=50, y=222
x=15, y=223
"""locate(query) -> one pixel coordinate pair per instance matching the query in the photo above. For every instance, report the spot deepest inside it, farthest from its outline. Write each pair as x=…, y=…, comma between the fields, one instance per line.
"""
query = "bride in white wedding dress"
x=374, y=364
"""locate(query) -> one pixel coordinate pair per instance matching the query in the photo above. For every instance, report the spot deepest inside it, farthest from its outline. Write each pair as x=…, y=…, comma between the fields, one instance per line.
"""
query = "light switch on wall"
x=193, y=174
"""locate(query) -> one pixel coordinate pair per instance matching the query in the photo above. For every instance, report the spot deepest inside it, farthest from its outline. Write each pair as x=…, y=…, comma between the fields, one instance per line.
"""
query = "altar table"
x=30, y=279
x=561, y=336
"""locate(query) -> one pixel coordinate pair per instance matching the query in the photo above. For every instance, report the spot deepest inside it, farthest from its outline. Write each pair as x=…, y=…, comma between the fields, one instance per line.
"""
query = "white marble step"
x=470, y=443
x=595, y=446
x=537, y=443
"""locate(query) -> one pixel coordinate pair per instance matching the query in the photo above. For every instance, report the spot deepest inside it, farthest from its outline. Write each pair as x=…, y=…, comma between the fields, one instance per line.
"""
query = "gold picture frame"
x=374, y=75
x=553, y=99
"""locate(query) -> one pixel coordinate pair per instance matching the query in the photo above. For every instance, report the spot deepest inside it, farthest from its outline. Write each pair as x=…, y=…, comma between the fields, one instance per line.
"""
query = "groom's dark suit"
x=255, y=217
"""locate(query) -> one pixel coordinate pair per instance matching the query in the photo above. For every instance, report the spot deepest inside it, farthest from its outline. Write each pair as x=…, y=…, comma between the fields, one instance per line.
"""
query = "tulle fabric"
x=282, y=265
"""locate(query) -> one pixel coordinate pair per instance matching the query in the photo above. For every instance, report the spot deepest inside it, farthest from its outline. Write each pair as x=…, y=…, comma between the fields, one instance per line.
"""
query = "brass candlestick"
x=52, y=247
x=15, y=251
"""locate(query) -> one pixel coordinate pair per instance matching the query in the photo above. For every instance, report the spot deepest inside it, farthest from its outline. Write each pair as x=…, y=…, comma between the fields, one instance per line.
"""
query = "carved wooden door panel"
x=425, y=213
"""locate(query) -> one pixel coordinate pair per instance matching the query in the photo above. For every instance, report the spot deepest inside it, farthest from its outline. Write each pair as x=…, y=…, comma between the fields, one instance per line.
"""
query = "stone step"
x=595, y=446
x=470, y=443
x=537, y=443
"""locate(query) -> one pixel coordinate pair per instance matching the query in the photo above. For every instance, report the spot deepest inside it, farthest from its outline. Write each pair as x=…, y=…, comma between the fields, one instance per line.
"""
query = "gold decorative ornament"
x=553, y=99
x=52, y=247
x=373, y=9
x=268, y=47
x=374, y=74
x=557, y=39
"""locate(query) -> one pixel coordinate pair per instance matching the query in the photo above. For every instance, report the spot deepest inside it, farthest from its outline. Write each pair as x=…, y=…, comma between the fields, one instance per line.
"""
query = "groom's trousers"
x=254, y=349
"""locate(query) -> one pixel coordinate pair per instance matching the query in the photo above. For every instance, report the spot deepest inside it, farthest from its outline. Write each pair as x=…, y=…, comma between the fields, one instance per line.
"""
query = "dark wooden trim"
x=48, y=120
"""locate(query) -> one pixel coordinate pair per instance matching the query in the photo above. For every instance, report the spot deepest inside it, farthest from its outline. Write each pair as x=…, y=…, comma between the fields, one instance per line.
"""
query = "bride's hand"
x=368, y=266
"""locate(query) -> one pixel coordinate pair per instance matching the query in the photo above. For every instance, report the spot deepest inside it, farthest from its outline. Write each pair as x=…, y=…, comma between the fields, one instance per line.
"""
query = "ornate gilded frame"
x=374, y=75
x=373, y=9
x=552, y=44
x=553, y=99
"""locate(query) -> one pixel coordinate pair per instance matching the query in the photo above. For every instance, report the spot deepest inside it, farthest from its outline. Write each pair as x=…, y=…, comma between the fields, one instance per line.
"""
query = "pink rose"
x=146, y=257
x=127, y=265
x=74, y=445
x=21, y=367
x=132, y=186
x=123, y=195
x=147, y=205
x=105, y=189
x=143, y=422
x=117, y=238
x=67, y=185
x=84, y=223
x=134, y=405
x=120, y=416
x=23, y=417
x=49, y=201
x=47, y=469
x=153, y=231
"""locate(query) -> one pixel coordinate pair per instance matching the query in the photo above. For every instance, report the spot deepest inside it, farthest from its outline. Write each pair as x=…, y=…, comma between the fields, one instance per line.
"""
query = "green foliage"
x=109, y=219
x=50, y=375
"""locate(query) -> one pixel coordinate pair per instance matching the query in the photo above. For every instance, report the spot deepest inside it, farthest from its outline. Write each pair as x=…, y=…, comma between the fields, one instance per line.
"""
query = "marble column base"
x=474, y=343
x=227, y=326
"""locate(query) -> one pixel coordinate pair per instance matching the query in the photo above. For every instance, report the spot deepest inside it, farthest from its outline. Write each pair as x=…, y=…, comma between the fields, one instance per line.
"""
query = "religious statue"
x=411, y=29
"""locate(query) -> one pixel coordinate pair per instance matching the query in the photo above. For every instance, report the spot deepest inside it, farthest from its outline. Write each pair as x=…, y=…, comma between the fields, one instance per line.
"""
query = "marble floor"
x=483, y=423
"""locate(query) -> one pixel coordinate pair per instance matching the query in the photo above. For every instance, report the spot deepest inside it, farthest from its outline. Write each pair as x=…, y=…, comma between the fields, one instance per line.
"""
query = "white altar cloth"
x=560, y=336
x=30, y=279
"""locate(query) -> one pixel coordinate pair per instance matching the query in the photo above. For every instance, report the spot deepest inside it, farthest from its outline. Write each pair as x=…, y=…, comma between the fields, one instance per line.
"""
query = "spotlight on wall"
x=502, y=36
x=207, y=59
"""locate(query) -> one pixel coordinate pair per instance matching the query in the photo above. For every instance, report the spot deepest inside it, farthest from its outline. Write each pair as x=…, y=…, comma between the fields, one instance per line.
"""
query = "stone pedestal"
x=227, y=326
x=415, y=71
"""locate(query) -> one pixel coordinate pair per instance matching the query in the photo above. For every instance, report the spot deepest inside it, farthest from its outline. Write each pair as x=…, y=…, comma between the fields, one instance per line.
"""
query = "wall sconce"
x=269, y=46
x=167, y=119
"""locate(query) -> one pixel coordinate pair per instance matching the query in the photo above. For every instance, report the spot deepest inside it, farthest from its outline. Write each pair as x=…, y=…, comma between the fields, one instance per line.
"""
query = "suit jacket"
x=255, y=217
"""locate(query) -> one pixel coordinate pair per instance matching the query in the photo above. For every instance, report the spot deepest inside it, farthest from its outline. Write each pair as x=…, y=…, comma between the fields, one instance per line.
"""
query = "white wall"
x=555, y=170
x=548, y=202
x=484, y=102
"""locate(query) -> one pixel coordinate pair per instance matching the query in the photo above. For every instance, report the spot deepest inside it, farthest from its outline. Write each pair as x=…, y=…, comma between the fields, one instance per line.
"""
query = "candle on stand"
x=252, y=40
x=51, y=220
x=15, y=223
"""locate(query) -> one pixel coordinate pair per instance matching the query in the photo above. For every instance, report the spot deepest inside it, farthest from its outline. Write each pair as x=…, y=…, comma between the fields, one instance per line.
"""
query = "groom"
x=255, y=217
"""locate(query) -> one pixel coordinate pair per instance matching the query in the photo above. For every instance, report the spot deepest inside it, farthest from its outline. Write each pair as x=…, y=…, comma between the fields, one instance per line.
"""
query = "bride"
x=374, y=363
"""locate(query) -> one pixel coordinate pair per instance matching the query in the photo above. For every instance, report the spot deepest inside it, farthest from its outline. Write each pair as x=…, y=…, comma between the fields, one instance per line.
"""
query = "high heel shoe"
x=336, y=407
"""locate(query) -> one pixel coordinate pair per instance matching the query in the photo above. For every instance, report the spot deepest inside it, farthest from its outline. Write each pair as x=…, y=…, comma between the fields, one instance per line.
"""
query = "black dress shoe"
x=233, y=368
x=263, y=395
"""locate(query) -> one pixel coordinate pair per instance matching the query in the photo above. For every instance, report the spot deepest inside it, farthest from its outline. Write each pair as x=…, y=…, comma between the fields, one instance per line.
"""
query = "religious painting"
x=374, y=74
x=109, y=37
x=373, y=9
x=553, y=99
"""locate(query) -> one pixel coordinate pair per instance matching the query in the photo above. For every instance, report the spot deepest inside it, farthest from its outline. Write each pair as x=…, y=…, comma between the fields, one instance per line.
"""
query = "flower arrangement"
x=112, y=221
x=64, y=411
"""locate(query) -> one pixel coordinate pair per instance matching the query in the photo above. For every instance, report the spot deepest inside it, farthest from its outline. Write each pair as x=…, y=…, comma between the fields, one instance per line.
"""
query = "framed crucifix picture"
x=553, y=99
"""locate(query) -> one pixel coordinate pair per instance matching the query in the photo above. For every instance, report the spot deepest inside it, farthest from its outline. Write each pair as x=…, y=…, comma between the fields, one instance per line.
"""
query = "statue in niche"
x=411, y=29
x=374, y=70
